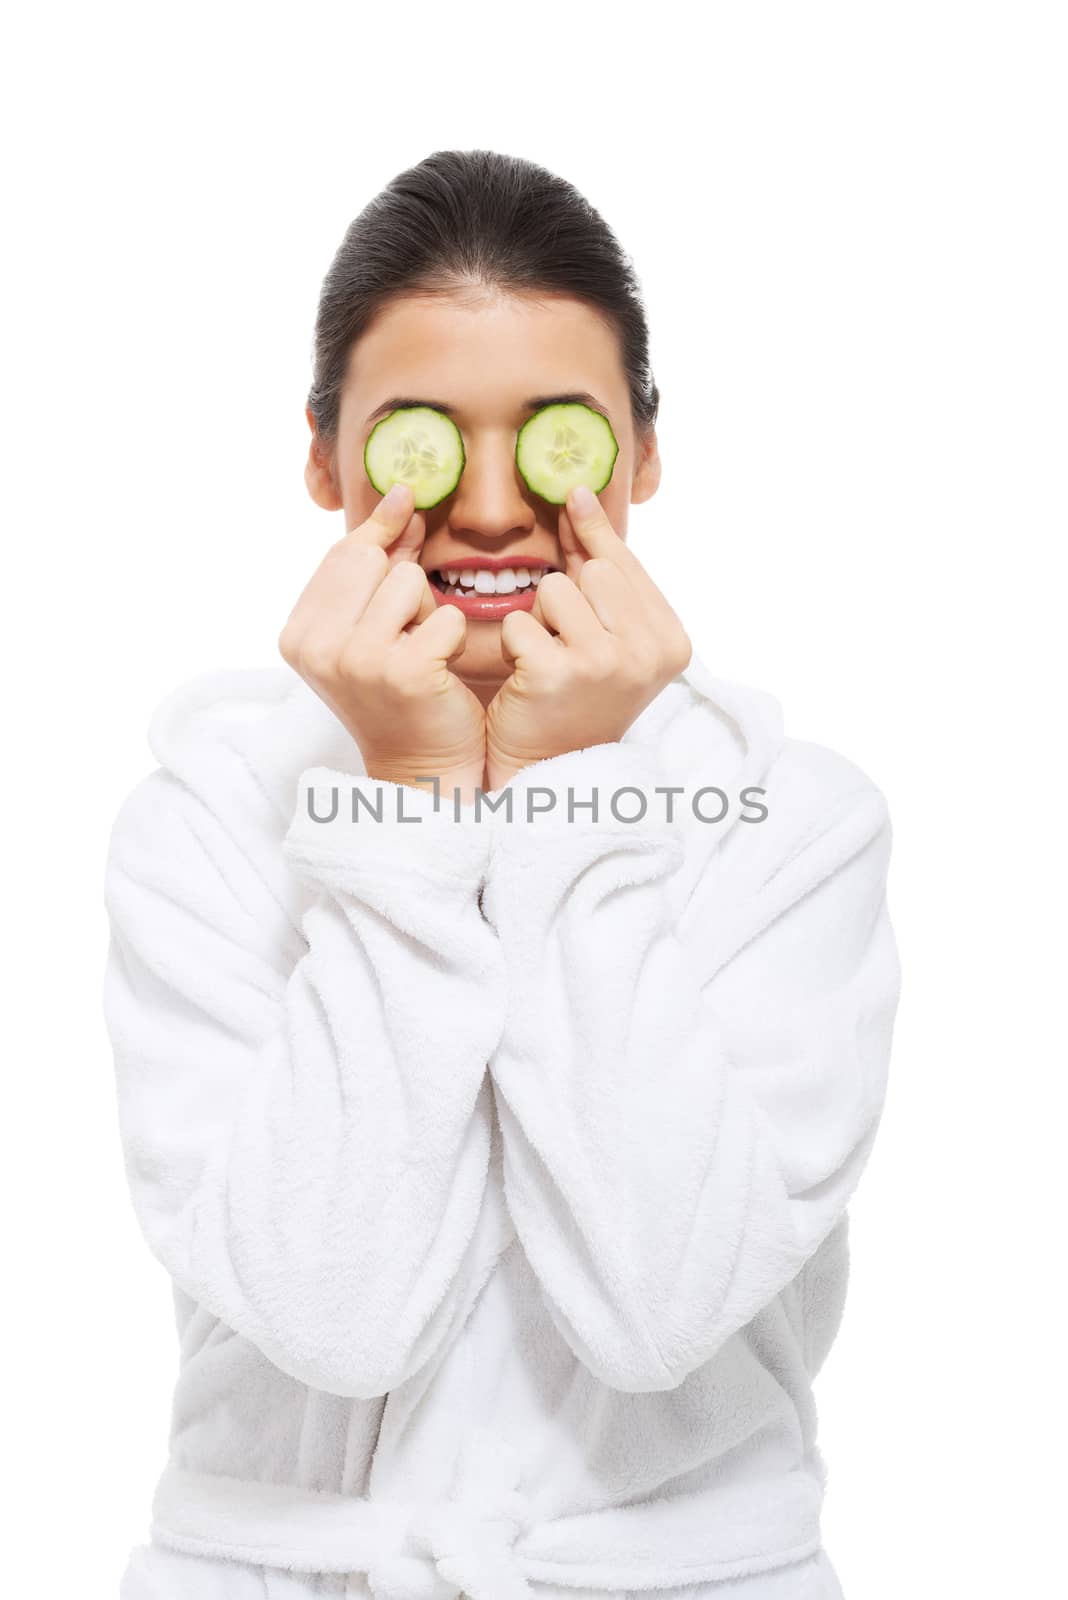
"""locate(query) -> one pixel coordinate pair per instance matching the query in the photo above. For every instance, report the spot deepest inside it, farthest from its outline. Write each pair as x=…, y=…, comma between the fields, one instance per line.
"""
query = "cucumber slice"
x=418, y=446
x=562, y=445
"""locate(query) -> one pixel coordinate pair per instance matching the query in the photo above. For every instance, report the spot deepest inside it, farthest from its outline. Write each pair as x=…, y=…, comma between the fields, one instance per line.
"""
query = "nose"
x=489, y=504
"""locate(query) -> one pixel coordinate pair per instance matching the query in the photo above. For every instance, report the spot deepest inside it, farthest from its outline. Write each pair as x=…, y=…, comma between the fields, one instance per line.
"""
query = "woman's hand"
x=368, y=636
x=615, y=644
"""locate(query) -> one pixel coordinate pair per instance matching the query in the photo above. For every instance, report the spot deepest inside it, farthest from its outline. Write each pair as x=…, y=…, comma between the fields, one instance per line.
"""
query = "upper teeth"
x=483, y=581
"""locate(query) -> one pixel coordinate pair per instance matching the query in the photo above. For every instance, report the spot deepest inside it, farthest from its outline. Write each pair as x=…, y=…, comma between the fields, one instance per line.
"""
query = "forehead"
x=486, y=354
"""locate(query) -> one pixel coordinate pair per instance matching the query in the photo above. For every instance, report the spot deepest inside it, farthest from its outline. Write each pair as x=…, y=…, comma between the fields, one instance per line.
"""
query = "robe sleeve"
x=687, y=1092
x=306, y=1130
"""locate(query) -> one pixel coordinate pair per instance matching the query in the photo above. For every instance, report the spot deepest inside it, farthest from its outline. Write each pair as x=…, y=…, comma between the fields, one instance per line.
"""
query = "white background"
x=849, y=221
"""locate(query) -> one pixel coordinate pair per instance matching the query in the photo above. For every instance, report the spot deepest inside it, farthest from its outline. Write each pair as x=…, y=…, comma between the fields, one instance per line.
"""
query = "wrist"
x=502, y=765
x=430, y=779
x=498, y=774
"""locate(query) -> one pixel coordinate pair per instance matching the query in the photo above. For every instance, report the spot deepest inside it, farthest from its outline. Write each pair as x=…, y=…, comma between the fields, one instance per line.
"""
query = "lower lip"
x=488, y=607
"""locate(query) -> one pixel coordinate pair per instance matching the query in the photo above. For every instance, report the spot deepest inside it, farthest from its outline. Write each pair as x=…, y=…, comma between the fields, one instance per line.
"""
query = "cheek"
x=622, y=480
x=358, y=494
x=615, y=498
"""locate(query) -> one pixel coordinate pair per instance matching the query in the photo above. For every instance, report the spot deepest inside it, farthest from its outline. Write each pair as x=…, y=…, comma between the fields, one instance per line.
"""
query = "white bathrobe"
x=500, y=1166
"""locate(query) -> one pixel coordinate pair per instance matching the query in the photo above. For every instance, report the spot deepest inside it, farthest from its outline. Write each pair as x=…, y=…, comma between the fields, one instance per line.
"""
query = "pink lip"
x=487, y=607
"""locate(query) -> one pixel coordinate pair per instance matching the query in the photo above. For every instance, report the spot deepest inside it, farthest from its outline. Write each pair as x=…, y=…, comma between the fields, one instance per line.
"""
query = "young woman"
x=499, y=1154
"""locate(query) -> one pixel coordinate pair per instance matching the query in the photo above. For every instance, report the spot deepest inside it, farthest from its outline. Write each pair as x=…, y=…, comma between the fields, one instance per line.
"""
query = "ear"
x=319, y=471
x=647, y=473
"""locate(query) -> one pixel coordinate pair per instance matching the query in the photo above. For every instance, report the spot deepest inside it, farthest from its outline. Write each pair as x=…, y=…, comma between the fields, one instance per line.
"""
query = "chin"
x=482, y=657
x=483, y=684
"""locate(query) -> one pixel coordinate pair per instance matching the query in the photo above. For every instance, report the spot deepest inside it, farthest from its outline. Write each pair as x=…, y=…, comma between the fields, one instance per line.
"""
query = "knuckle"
x=554, y=679
x=513, y=625
x=553, y=581
x=641, y=664
x=406, y=576
x=601, y=661
x=681, y=651
x=318, y=660
x=355, y=553
x=337, y=553
x=355, y=664
x=288, y=644
x=371, y=557
x=598, y=567
x=406, y=682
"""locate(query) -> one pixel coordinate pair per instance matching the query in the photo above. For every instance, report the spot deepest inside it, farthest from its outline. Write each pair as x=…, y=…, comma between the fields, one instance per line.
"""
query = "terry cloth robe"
x=500, y=1166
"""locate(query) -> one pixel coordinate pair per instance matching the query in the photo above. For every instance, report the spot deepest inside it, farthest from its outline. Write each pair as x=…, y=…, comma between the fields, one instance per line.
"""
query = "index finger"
x=393, y=526
x=587, y=517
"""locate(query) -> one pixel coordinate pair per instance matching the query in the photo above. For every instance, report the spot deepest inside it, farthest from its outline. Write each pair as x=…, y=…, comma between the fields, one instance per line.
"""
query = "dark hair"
x=477, y=217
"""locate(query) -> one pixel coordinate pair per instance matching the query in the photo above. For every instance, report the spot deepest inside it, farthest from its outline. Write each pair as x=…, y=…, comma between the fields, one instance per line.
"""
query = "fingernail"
x=396, y=497
x=583, y=500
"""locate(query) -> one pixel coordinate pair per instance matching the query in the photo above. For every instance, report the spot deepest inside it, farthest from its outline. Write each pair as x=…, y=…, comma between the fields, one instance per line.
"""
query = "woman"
x=500, y=1159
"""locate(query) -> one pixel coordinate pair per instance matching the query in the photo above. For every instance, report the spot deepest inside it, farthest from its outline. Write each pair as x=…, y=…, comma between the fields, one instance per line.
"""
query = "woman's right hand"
x=369, y=637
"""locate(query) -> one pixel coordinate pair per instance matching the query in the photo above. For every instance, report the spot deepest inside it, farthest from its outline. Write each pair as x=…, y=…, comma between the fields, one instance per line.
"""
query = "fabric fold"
x=680, y=1133
x=306, y=1145
x=499, y=1160
x=489, y=1547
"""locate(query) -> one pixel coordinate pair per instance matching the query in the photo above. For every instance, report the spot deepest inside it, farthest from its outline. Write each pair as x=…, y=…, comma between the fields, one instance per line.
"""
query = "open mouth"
x=470, y=581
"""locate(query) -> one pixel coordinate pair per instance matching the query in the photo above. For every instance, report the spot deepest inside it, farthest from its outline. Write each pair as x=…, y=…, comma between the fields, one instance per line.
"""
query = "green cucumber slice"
x=418, y=446
x=562, y=445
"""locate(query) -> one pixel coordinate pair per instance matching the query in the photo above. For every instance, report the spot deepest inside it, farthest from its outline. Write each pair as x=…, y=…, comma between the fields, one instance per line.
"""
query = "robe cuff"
x=604, y=789
x=347, y=828
x=590, y=815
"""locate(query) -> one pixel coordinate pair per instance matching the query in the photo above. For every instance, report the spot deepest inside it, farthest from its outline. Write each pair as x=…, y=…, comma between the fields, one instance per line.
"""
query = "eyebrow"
x=579, y=398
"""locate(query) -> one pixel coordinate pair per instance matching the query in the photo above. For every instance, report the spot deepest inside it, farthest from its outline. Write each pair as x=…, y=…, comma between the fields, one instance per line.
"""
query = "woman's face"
x=491, y=359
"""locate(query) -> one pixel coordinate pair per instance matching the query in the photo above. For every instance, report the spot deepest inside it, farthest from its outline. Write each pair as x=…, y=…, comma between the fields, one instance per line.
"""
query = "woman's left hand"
x=615, y=643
